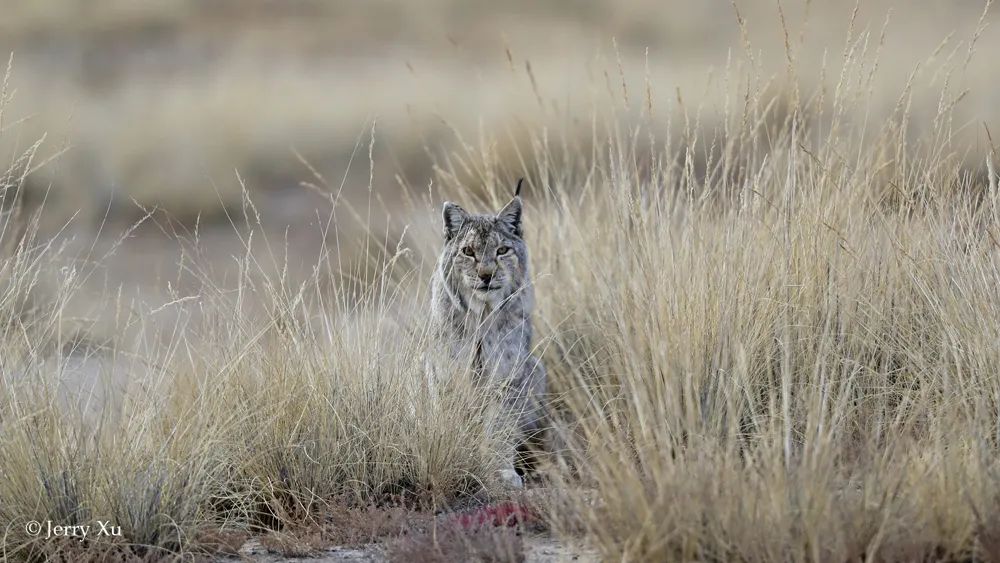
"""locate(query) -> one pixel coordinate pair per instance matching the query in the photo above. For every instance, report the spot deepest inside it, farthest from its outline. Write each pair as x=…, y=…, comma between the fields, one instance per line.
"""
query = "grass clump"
x=225, y=411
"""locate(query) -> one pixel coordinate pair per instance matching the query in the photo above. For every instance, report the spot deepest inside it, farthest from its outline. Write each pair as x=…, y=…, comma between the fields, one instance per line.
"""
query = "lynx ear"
x=454, y=218
x=510, y=216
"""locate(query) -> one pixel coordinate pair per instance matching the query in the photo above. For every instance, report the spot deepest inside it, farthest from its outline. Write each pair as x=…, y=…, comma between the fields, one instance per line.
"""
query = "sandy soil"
x=538, y=549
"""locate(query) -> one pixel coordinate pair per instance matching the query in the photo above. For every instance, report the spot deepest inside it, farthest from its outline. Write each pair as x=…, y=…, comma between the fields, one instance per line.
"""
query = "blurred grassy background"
x=160, y=103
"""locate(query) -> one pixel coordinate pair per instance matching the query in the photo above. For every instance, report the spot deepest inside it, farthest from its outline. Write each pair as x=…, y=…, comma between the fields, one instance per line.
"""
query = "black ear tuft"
x=454, y=218
x=517, y=189
x=510, y=216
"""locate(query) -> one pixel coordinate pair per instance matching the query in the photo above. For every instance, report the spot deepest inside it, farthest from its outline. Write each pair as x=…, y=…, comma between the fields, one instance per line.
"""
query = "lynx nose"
x=486, y=277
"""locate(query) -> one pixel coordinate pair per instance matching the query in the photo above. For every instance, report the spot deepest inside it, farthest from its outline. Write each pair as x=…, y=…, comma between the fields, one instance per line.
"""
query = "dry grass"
x=772, y=335
x=246, y=409
x=785, y=351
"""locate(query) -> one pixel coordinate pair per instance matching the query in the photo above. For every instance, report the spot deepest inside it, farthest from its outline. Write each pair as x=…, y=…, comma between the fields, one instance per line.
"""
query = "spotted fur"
x=481, y=305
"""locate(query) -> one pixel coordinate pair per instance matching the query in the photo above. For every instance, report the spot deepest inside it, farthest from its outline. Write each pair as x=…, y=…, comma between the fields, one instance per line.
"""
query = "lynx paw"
x=511, y=479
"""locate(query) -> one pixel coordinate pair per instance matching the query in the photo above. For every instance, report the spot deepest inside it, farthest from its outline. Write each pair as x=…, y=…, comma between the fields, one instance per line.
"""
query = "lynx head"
x=485, y=259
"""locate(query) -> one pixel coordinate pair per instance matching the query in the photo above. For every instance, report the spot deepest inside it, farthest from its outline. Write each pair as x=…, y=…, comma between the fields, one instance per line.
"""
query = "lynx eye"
x=501, y=250
x=467, y=250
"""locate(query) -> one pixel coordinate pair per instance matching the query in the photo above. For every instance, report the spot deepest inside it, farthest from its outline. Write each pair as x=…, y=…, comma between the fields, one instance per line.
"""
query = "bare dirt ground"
x=508, y=529
x=537, y=549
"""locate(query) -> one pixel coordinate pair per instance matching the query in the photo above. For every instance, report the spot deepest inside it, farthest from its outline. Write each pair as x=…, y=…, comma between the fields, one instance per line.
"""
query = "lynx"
x=481, y=304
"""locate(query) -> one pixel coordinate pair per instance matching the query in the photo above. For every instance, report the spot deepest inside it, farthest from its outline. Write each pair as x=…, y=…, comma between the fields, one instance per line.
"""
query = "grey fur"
x=481, y=308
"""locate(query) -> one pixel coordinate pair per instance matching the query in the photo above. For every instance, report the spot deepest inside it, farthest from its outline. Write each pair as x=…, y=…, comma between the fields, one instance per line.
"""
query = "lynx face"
x=485, y=258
